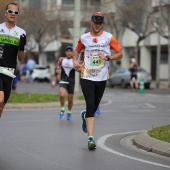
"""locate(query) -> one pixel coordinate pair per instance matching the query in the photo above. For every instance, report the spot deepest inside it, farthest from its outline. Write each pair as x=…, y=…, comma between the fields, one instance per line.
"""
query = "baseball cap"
x=97, y=17
x=69, y=47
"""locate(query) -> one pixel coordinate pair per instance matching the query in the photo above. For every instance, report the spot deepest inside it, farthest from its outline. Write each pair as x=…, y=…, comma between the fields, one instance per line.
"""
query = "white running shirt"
x=94, y=68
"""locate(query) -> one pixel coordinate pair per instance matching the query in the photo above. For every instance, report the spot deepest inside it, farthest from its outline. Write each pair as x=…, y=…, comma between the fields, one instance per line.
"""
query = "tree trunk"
x=42, y=59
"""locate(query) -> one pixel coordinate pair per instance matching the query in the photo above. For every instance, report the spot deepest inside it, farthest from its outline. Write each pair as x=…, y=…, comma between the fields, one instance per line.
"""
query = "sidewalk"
x=144, y=141
x=162, y=85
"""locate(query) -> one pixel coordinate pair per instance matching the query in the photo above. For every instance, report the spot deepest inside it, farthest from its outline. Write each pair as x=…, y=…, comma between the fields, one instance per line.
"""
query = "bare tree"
x=3, y=4
x=40, y=30
x=136, y=15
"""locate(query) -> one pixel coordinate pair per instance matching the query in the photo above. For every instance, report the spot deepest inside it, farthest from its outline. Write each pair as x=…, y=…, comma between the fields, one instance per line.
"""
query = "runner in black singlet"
x=67, y=81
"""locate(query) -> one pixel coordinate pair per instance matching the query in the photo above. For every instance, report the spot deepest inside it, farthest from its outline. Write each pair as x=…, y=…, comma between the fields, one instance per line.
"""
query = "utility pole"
x=76, y=35
x=158, y=50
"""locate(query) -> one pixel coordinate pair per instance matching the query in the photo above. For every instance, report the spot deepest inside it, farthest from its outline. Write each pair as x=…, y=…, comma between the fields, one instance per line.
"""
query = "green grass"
x=32, y=98
x=161, y=133
x=35, y=98
x=81, y=97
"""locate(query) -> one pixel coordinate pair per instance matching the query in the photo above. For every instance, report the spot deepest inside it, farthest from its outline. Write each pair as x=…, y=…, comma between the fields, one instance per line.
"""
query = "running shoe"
x=83, y=114
x=68, y=116
x=62, y=114
x=97, y=112
x=91, y=144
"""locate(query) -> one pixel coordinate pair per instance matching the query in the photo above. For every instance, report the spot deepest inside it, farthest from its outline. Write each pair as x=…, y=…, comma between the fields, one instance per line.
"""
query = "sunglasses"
x=12, y=12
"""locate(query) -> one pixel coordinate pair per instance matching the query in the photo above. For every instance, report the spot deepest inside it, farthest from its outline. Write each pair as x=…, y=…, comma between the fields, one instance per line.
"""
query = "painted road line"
x=101, y=144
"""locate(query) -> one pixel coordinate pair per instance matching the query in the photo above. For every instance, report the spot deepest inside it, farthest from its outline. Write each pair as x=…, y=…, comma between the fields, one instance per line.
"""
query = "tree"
x=136, y=15
x=3, y=4
x=40, y=30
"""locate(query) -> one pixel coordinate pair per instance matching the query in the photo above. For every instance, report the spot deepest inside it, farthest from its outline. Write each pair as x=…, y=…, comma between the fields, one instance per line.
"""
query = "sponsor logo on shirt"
x=15, y=33
x=95, y=40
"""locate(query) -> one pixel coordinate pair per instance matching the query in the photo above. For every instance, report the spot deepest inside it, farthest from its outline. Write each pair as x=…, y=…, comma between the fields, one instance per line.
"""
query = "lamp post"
x=158, y=53
x=76, y=35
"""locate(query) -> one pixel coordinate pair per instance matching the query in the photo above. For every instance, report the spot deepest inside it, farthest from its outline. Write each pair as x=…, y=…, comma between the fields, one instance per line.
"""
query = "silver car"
x=121, y=76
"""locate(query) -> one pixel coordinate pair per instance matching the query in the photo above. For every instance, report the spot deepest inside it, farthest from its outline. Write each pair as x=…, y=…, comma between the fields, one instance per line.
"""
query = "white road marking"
x=140, y=105
x=107, y=103
x=101, y=144
x=150, y=105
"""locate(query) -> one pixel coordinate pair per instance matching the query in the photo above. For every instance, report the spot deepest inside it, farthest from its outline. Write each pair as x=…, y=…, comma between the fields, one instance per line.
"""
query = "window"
x=164, y=55
x=95, y=2
x=68, y=2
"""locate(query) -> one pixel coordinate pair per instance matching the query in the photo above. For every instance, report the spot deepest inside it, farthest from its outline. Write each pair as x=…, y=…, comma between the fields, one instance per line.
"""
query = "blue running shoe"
x=97, y=112
x=83, y=113
x=62, y=114
x=91, y=144
x=68, y=116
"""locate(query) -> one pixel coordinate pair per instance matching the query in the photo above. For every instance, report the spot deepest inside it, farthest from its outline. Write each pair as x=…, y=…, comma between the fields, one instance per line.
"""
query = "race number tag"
x=96, y=62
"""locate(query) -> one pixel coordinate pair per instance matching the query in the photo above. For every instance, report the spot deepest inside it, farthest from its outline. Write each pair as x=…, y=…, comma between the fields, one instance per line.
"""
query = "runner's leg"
x=88, y=89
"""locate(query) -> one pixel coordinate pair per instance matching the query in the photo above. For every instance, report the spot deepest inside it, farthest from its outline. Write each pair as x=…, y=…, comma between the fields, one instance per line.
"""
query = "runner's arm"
x=76, y=63
x=21, y=56
x=58, y=64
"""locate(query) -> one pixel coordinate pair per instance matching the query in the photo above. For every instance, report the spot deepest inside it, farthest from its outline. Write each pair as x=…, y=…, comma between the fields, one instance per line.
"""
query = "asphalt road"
x=37, y=139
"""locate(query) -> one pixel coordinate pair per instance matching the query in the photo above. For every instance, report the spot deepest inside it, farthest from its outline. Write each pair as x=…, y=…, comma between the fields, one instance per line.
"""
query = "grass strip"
x=32, y=98
x=161, y=133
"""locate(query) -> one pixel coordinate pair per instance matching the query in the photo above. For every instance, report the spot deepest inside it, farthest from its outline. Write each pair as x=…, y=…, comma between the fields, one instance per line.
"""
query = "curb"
x=38, y=105
x=144, y=141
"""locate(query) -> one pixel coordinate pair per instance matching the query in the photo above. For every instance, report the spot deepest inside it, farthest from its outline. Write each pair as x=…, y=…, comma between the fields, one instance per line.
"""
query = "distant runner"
x=67, y=81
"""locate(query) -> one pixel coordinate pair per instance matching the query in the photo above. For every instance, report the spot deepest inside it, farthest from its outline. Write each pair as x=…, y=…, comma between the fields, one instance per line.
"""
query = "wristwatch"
x=108, y=57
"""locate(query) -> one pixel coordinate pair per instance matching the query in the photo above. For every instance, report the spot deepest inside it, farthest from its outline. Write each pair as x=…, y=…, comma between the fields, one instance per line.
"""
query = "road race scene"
x=84, y=84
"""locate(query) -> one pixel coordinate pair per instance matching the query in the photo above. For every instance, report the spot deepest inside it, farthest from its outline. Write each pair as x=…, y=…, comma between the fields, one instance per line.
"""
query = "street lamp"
x=158, y=53
x=76, y=35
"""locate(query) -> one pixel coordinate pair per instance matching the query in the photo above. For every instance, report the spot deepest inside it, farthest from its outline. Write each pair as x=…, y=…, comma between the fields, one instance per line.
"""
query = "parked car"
x=41, y=72
x=121, y=76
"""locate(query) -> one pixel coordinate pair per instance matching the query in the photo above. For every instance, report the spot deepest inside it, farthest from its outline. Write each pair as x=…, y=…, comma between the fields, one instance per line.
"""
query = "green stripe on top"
x=9, y=40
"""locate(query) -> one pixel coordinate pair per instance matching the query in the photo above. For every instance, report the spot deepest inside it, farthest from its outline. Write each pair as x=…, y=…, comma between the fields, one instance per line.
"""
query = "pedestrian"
x=67, y=81
x=133, y=74
x=24, y=72
x=97, y=54
x=30, y=66
x=12, y=43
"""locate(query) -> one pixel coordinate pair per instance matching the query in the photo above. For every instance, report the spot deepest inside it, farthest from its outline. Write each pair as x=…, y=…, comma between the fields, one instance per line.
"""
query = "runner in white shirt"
x=12, y=43
x=94, y=71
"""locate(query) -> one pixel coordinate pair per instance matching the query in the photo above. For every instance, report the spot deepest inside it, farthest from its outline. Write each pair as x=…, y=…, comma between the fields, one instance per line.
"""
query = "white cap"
x=133, y=60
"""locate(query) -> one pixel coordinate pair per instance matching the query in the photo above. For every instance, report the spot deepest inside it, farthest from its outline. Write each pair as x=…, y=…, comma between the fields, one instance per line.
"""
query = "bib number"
x=96, y=62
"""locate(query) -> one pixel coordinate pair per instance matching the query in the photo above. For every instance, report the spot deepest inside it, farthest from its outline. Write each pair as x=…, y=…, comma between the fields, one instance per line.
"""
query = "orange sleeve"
x=80, y=46
x=114, y=45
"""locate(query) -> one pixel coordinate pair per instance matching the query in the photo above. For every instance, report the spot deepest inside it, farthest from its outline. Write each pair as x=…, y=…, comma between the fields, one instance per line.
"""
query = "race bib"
x=96, y=62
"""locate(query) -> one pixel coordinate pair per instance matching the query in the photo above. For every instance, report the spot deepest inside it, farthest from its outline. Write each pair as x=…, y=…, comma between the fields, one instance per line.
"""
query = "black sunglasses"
x=12, y=12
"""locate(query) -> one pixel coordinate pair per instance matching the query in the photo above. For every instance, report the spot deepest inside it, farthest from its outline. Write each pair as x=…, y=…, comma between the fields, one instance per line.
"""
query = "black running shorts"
x=69, y=87
x=5, y=86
